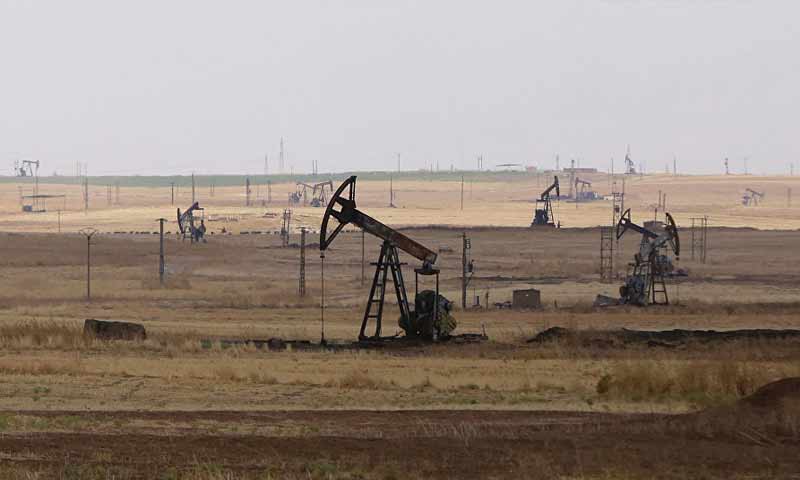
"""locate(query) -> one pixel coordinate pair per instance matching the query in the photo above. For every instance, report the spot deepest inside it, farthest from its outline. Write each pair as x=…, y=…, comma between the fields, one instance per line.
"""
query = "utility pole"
x=269, y=191
x=281, y=158
x=322, y=297
x=302, y=286
x=674, y=165
x=363, y=262
x=172, y=192
x=86, y=194
x=247, y=191
x=398, y=162
x=466, y=267
x=89, y=233
x=161, y=263
x=462, y=193
x=266, y=164
x=391, y=193
x=193, y=197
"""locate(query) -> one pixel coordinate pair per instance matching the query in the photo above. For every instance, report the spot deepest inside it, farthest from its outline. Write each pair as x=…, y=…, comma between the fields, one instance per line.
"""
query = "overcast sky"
x=172, y=86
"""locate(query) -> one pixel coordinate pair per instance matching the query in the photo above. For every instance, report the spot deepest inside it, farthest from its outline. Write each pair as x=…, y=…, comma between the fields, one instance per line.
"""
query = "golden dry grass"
x=436, y=202
x=245, y=286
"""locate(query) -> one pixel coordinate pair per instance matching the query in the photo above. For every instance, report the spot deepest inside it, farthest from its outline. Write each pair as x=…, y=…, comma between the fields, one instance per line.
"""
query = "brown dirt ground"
x=410, y=444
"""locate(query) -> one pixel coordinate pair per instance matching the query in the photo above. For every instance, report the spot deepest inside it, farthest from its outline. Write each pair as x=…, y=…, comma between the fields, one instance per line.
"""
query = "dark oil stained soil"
x=399, y=444
x=660, y=338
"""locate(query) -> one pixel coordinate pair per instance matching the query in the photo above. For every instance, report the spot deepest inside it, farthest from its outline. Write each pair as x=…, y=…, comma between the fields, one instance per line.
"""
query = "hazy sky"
x=171, y=86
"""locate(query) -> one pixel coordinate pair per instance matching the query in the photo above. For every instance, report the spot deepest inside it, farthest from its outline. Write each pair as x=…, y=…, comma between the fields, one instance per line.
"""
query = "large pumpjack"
x=430, y=318
x=646, y=284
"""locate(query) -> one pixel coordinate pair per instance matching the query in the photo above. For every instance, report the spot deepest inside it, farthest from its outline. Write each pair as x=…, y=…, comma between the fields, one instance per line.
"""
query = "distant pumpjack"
x=543, y=216
x=630, y=169
x=25, y=168
x=315, y=195
x=752, y=198
x=187, y=226
x=584, y=192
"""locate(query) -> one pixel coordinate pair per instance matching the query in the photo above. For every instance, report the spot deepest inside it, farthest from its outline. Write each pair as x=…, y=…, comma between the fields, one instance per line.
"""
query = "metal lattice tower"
x=302, y=286
x=607, y=254
x=699, y=238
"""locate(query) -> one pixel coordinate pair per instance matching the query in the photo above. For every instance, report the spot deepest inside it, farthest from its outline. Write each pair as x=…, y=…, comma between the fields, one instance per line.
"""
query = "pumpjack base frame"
x=389, y=267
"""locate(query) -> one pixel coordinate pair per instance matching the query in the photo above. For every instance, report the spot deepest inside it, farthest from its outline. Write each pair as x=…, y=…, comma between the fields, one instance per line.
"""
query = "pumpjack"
x=430, y=319
x=583, y=191
x=629, y=167
x=26, y=168
x=646, y=284
x=751, y=197
x=319, y=198
x=186, y=224
x=544, y=207
x=317, y=193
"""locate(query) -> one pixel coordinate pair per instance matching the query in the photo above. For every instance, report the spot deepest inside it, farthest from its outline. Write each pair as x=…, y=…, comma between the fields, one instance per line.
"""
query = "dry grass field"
x=183, y=404
x=490, y=201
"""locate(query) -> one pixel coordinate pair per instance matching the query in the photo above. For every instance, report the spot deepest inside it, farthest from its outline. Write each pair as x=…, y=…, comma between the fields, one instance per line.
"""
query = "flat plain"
x=189, y=403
